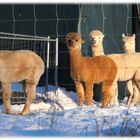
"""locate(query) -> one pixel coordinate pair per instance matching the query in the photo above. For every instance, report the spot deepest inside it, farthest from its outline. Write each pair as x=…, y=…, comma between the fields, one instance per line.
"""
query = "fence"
x=54, y=20
x=45, y=47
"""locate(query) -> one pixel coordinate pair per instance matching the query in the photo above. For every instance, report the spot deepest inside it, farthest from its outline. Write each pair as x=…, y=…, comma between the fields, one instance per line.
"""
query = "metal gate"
x=45, y=47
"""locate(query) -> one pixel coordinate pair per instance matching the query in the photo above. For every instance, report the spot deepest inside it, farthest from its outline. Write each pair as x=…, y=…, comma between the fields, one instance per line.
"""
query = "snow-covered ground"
x=60, y=116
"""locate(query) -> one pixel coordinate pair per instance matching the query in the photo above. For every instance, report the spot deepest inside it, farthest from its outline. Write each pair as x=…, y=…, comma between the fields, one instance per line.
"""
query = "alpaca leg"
x=30, y=89
x=135, y=95
x=138, y=97
x=114, y=94
x=89, y=93
x=106, y=93
x=80, y=92
x=137, y=82
x=129, y=87
x=6, y=96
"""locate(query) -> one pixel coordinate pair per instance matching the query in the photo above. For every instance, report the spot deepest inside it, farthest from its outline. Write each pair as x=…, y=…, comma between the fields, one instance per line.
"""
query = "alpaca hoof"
x=114, y=103
x=104, y=105
x=131, y=104
x=89, y=104
x=8, y=111
x=80, y=103
x=24, y=113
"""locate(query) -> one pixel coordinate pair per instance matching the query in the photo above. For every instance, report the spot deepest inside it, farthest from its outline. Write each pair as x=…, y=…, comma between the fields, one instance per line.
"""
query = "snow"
x=61, y=116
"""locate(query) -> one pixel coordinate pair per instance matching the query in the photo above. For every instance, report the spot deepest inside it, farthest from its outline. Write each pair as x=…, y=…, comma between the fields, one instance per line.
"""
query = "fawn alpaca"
x=128, y=44
x=18, y=66
x=127, y=71
x=85, y=71
x=97, y=39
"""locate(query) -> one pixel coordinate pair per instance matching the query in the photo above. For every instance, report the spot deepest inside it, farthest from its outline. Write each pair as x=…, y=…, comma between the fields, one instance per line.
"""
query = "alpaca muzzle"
x=94, y=42
x=69, y=42
x=124, y=47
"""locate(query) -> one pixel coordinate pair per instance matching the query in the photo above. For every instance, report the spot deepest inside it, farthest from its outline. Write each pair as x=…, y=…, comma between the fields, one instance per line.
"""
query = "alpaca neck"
x=75, y=58
x=130, y=50
x=98, y=50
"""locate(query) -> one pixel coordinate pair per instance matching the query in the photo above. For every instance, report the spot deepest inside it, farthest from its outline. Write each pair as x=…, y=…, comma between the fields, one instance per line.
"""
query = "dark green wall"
x=40, y=17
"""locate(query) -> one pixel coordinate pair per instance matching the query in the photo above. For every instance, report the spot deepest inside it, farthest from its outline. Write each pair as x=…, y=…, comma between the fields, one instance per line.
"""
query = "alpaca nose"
x=69, y=41
x=124, y=46
x=94, y=41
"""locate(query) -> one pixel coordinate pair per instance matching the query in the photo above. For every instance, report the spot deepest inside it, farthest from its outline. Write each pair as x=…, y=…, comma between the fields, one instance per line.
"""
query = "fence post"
x=47, y=64
x=56, y=65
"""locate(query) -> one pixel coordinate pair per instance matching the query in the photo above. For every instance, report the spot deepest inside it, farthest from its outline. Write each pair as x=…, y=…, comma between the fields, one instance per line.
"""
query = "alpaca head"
x=96, y=37
x=128, y=43
x=73, y=41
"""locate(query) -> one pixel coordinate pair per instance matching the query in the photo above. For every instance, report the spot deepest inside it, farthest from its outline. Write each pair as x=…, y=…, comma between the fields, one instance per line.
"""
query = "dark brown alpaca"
x=86, y=71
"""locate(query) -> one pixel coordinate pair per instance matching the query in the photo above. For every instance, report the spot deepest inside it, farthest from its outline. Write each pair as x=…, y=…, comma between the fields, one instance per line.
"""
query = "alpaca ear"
x=83, y=41
x=134, y=36
x=65, y=38
x=123, y=35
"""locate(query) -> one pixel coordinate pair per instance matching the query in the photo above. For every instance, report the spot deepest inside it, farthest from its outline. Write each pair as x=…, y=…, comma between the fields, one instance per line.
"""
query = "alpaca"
x=97, y=39
x=16, y=66
x=128, y=44
x=126, y=71
x=85, y=71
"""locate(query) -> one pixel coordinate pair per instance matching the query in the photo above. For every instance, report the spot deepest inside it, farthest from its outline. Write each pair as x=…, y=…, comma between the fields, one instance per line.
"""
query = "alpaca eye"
x=68, y=40
x=92, y=38
x=76, y=40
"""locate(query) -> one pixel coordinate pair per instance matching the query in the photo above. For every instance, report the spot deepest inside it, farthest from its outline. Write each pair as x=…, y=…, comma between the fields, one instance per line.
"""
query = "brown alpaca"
x=18, y=66
x=86, y=71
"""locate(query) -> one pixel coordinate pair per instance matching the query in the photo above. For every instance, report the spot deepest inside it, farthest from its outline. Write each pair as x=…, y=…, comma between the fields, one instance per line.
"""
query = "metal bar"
x=12, y=34
x=13, y=14
x=56, y=65
x=34, y=21
x=39, y=39
x=47, y=64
